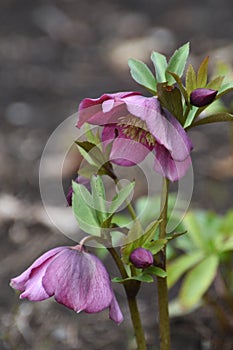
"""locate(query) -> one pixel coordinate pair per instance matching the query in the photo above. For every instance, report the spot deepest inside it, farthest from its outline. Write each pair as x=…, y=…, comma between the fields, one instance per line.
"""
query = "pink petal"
x=35, y=271
x=163, y=126
x=168, y=167
x=115, y=312
x=78, y=281
x=91, y=110
x=127, y=152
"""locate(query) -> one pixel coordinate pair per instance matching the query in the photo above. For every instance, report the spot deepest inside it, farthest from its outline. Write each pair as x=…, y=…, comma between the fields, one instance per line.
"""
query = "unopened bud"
x=202, y=97
x=141, y=258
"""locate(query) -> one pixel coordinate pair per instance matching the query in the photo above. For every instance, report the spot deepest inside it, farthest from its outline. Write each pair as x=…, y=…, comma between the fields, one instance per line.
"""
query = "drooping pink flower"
x=138, y=125
x=141, y=258
x=76, y=279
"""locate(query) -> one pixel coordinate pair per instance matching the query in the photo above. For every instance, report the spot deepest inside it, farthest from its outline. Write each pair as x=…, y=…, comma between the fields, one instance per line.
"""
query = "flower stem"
x=139, y=334
x=164, y=323
x=131, y=289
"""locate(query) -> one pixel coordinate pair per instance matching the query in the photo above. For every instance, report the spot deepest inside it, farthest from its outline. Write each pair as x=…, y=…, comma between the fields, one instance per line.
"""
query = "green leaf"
x=155, y=246
x=198, y=281
x=157, y=271
x=91, y=137
x=170, y=97
x=216, y=83
x=141, y=278
x=224, y=89
x=180, y=84
x=99, y=198
x=91, y=153
x=215, y=118
x=121, y=197
x=191, y=80
x=177, y=62
x=195, y=230
x=137, y=238
x=160, y=64
x=191, y=116
x=180, y=265
x=227, y=245
x=142, y=74
x=83, y=208
x=202, y=73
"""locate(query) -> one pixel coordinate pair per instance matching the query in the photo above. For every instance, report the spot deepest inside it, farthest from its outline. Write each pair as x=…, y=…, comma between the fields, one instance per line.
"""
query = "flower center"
x=136, y=129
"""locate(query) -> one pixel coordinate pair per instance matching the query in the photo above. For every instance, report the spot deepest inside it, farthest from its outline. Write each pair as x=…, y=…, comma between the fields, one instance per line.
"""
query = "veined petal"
x=115, y=312
x=127, y=152
x=20, y=281
x=162, y=125
x=91, y=110
x=168, y=167
x=78, y=282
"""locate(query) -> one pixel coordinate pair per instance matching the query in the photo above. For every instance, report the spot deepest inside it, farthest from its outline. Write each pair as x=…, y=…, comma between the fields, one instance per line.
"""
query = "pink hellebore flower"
x=138, y=125
x=76, y=278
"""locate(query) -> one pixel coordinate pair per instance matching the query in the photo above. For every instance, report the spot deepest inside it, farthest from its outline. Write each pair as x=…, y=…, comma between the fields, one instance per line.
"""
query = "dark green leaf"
x=160, y=63
x=177, y=62
x=170, y=97
x=157, y=271
x=142, y=74
x=180, y=84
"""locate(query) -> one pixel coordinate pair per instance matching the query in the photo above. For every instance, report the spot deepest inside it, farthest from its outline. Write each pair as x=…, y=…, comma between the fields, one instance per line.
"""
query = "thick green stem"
x=131, y=289
x=139, y=334
x=164, y=322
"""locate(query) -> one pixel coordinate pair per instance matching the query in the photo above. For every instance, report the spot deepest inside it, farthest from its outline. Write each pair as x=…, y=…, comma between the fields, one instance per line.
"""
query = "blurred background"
x=52, y=55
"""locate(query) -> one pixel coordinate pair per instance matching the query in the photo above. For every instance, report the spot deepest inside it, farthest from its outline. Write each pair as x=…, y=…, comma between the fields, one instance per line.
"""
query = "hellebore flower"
x=138, y=125
x=76, y=278
x=141, y=258
x=81, y=180
x=202, y=97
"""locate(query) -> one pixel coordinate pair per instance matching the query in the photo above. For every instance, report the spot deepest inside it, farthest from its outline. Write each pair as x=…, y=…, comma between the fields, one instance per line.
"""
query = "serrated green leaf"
x=160, y=64
x=91, y=153
x=202, y=73
x=83, y=208
x=191, y=80
x=142, y=74
x=182, y=264
x=215, y=118
x=99, y=198
x=121, y=197
x=177, y=62
x=197, y=281
x=157, y=271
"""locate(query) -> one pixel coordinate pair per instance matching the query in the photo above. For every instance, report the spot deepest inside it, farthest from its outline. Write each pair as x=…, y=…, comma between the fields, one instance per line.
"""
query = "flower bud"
x=141, y=258
x=202, y=97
